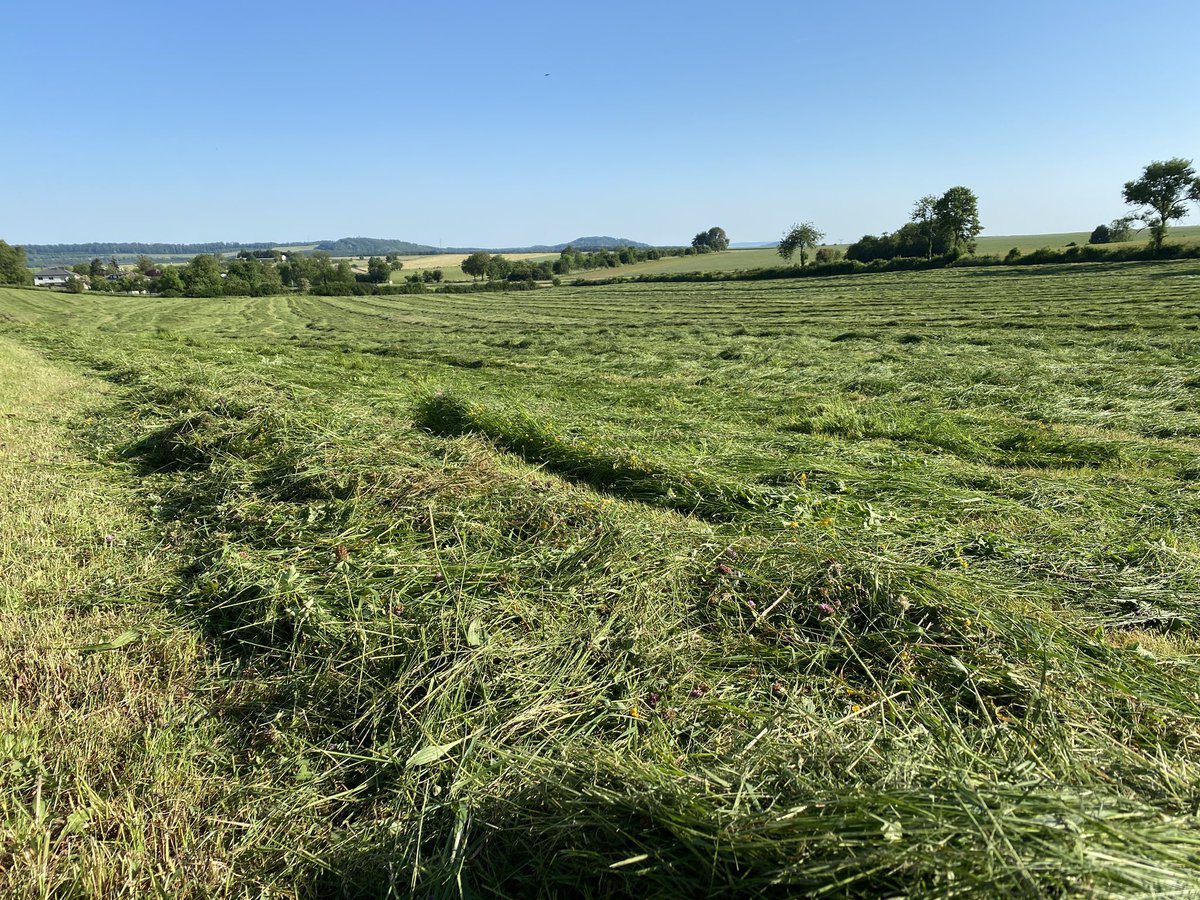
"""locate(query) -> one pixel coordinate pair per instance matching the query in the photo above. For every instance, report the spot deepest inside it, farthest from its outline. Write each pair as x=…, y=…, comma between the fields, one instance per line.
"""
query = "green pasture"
x=876, y=585
x=733, y=260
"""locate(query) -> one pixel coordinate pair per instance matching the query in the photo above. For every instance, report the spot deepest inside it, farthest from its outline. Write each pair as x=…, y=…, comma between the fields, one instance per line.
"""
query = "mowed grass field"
x=872, y=586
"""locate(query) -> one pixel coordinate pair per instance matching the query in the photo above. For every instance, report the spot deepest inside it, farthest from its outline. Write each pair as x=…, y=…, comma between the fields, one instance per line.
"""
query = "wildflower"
x=803, y=479
x=698, y=691
x=724, y=569
x=397, y=609
x=827, y=521
x=855, y=708
x=652, y=699
x=109, y=540
x=793, y=524
x=731, y=553
x=751, y=604
x=825, y=609
x=633, y=712
x=342, y=553
x=778, y=689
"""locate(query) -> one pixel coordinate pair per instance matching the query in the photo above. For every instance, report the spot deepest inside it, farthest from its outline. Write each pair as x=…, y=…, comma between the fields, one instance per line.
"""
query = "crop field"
x=451, y=264
x=874, y=585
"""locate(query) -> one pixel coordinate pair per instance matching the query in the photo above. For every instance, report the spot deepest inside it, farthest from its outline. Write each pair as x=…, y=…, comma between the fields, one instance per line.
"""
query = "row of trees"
x=948, y=225
x=939, y=226
x=494, y=267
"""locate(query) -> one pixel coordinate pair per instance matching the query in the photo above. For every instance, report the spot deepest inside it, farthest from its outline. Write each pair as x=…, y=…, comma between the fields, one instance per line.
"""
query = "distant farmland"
x=732, y=260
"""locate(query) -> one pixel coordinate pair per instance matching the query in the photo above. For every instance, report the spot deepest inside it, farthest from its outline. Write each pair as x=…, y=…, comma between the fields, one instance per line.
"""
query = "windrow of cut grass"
x=924, y=622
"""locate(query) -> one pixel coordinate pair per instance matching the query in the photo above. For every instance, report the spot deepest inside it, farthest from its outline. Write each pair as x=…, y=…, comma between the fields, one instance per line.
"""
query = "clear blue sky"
x=438, y=123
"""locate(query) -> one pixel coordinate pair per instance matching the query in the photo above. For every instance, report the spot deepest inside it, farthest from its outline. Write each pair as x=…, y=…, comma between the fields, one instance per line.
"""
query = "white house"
x=55, y=277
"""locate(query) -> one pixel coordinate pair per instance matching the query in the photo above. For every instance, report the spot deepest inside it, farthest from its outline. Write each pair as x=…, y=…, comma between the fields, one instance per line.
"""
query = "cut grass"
x=924, y=622
x=111, y=775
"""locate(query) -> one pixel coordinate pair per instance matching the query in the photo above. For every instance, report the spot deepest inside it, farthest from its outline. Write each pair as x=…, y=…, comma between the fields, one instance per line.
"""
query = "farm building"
x=53, y=277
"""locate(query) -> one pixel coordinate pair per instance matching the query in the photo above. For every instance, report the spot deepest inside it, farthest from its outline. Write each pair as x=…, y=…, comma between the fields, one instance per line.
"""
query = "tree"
x=1160, y=194
x=476, y=264
x=169, y=284
x=13, y=269
x=378, y=270
x=252, y=277
x=801, y=237
x=96, y=269
x=958, y=219
x=498, y=268
x=712, y=241
x=924, y=216
x=202, y=276
x=144, y=264
x=329, y=278
x=1101, y=234
x=871, y=247
x=1121, y=229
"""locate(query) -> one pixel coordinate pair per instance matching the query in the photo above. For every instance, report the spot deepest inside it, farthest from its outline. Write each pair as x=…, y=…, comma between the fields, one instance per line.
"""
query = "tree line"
x=940, y=227
x=945, y=227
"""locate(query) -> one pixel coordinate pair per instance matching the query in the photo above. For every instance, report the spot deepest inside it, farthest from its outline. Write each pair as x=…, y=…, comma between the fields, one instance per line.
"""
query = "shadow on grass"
x=620, y=473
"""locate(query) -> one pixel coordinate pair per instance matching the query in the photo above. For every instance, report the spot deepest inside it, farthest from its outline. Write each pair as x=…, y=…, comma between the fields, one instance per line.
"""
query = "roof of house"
x=57, y=270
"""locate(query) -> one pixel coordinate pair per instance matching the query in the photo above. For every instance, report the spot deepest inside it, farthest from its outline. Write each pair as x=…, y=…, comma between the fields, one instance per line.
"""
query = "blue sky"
x=141, y=121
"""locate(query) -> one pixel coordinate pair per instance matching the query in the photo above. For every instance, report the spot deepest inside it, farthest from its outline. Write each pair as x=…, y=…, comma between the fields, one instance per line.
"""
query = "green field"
x=868, y=586
x=763, y=258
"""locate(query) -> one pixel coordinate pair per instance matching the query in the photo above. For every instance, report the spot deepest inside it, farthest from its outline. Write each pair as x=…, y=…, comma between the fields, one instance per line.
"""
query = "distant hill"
x=39, y=255
x=364, y=246
x=600, y=242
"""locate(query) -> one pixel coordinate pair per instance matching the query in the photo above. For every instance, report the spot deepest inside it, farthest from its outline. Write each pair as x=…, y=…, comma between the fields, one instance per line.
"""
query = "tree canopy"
x=1161, y=194
x=957, y=213
x=378, y=271
x=800, y=238
x=12, y=265
x=476, y=265
x=712, y=241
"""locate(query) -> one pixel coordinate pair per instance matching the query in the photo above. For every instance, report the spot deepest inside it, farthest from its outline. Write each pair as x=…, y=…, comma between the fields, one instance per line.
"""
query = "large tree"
x=712, y=241
x=13, y=269
x=476, y=264
x=957, y=213
x=378, y=271
x=1161, y=194
x=800, y=237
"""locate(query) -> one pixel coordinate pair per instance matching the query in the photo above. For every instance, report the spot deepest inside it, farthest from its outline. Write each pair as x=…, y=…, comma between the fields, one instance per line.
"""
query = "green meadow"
x=768, y=257
x=872, y=585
